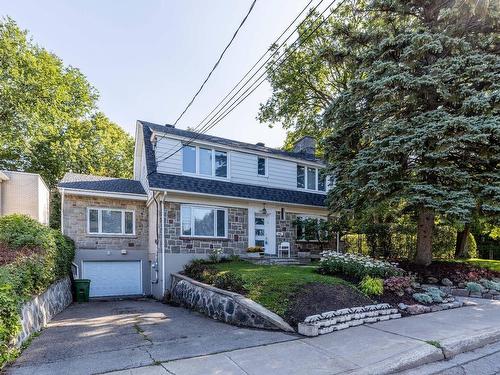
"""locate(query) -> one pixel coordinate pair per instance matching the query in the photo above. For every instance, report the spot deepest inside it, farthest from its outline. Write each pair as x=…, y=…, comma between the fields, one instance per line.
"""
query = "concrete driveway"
x=98, y=337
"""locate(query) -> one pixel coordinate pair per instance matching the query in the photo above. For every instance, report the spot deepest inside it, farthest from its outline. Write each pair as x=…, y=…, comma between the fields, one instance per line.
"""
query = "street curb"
x=421, y=355
x=453, y=346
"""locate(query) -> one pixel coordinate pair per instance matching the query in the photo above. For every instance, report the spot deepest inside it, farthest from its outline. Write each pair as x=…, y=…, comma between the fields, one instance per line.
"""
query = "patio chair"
x=284, y=247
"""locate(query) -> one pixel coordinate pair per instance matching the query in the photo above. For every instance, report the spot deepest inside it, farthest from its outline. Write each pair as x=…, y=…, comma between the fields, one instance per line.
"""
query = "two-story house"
x=191, y=193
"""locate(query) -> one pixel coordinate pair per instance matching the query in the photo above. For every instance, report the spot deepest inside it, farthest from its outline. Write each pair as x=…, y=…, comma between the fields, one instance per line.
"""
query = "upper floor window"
x=110, y=221
x=204, y=161
x=262, y=166
x=203, y=221
x=310, y=178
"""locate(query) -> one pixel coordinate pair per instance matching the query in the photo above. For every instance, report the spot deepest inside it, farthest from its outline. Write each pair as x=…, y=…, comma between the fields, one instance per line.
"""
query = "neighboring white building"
x=24, y=193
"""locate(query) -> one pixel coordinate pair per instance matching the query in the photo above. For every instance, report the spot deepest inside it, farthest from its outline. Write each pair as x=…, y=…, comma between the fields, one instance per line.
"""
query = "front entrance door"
x=260, y=232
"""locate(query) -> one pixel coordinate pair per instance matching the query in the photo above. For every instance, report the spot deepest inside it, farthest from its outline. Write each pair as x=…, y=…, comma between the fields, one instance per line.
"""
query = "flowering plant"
x=215, y=255
x=357, y=266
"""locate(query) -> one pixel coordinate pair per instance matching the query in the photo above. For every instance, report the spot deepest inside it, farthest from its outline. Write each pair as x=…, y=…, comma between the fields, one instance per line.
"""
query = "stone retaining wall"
x=337, y=320
x=229, y=307
x=36, y=313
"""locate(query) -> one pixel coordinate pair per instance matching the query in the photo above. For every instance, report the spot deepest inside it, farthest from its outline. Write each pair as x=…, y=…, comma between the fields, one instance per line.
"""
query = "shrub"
x=215, y=255
x=488, y=284
x=42, y=256
x=356, y=266
x=372, y=286
x=474, y=287
x=422, y=298
x=196, y=268
x=229, y=281
x=436, y=294
x=398, y=284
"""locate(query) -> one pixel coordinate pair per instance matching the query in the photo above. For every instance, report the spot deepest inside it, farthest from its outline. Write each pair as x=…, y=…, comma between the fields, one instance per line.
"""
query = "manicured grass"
x=493, y=265
x=272, y=286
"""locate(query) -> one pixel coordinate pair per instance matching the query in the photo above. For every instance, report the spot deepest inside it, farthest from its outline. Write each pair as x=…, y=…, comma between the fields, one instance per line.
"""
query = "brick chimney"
x=305, y=145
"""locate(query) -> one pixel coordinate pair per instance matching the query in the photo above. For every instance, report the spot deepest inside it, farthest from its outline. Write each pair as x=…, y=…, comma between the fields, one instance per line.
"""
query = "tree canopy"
x=419, y=123
x=49, y=123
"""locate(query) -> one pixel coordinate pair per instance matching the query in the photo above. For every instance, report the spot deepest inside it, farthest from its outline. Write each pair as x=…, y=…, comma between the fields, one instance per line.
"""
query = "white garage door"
x=113, y=278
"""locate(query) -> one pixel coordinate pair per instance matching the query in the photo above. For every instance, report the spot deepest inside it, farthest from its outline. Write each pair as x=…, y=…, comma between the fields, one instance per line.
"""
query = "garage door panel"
x=118, y=278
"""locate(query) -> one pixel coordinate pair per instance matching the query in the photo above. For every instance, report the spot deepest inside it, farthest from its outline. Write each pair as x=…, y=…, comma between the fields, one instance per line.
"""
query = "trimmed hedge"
x=41, y=257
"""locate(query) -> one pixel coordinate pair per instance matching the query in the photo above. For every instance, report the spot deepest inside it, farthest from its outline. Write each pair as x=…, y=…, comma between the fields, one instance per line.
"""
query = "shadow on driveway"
x=103, y=336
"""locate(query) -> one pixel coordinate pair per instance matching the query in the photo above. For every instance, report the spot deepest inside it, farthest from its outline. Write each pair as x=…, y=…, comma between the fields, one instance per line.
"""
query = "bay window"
x=110, y=221
x=203, y=221
x=204, y=161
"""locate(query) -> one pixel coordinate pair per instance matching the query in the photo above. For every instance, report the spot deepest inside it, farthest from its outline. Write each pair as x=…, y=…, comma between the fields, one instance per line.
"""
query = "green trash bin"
x=82, y=287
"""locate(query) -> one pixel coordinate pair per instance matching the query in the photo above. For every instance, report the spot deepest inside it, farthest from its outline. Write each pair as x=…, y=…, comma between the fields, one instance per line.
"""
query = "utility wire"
x=242, y=97
x=195, y=129
x=217, y=63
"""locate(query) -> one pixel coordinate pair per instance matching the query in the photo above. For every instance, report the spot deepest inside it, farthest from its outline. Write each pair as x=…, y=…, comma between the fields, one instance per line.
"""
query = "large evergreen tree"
x=420, y=125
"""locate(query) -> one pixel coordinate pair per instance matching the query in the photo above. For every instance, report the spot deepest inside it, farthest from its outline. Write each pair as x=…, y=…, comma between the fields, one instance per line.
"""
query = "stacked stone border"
x=35, y=314
x=337, y=320
x=219, y=304
x=418, y=309
x=486, y=293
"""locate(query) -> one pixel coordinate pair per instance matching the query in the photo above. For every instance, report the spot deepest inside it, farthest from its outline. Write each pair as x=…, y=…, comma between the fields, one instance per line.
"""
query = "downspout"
x=156, y=241
x=163, y=243
x=62, y=211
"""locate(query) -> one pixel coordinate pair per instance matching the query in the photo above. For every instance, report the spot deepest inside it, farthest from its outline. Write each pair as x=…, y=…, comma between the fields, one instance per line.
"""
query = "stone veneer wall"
x=36, y=313
x=75, y=223
x=222, y=305
x=289, y=231
x=236, y=243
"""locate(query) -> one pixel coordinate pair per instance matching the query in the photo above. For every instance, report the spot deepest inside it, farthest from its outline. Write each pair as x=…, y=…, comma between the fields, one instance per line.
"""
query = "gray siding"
x=172, y=165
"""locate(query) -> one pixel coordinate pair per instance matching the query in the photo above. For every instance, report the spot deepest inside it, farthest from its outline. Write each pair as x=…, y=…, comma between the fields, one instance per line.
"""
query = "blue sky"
x=147, y=58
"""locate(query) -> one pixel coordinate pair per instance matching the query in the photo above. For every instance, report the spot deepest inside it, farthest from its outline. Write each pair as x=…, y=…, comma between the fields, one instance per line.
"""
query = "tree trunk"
x=424, y=236
x=462, y=236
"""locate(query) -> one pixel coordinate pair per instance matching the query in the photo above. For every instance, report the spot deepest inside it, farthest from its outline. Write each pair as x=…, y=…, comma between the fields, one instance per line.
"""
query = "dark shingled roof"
x=169, y=129
x=221, y=188
x=100, y=183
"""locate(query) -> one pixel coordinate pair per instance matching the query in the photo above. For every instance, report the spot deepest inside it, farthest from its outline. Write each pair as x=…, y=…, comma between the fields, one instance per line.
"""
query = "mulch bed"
x=456, y=272
x=317, y=298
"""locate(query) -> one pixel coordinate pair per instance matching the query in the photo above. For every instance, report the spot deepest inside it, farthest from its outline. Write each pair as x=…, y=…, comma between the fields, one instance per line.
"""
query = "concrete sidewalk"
x=379, y=348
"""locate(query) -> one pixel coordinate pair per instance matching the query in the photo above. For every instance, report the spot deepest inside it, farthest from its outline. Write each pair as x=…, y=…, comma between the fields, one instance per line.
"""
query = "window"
x=202, y=221
x=204, y=161
x=310, y=232
x=189, y=159
x=220, y=164
x=261, y=167
x=300, y=176
x=311, y=178
x=110, y=221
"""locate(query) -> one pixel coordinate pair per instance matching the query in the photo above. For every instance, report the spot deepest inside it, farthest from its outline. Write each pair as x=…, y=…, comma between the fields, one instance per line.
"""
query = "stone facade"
x=75, y=223
x=225, y=306
x=36, y=313
x=289, y=234
x=236, y=243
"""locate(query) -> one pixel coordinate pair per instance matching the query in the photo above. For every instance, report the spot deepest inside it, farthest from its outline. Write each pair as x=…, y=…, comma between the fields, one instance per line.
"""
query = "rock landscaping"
x=337, y=320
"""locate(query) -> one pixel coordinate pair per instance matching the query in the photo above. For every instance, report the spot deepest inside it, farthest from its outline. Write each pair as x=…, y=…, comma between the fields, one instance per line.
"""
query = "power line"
x=254, y=65
x=217, y=63
x=242, y=97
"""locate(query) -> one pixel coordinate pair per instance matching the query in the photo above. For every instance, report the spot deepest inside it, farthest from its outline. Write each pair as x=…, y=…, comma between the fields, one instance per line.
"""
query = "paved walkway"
x=378, y=348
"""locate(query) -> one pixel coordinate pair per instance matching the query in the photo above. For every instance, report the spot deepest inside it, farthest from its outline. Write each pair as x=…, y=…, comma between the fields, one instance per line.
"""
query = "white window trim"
x=99, y=221
x=266, y=166
x=316, y=179
x=197, y=162
x=215, y=208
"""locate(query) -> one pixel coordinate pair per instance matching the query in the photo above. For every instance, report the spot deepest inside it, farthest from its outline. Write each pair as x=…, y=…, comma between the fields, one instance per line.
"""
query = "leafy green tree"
x=48, y=119
x=314, y=71
x=419, y=125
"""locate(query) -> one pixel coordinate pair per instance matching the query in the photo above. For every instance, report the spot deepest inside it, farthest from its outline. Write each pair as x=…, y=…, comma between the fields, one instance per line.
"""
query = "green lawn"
x=272, y=286
x=493, y=265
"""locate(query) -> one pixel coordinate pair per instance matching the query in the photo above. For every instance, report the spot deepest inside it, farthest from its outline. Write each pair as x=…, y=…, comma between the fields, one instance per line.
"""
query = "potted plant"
x=254, y=252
